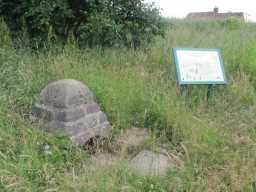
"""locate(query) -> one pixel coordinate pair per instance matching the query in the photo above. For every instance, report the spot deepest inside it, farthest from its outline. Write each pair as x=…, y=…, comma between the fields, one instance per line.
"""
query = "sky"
x=180, y=8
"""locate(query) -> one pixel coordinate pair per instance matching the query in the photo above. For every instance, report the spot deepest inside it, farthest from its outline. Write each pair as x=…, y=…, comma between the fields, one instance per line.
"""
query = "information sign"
x=199, y=66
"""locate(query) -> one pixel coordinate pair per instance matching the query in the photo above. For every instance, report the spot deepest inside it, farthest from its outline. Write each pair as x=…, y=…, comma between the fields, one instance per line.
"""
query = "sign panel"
x=199, y=66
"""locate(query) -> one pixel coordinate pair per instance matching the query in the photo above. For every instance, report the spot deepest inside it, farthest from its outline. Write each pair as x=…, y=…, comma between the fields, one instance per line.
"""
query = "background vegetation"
x=215, y=139
x=91, y=22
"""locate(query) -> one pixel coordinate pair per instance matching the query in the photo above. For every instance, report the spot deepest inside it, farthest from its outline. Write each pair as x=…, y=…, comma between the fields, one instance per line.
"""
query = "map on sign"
x=199, y=66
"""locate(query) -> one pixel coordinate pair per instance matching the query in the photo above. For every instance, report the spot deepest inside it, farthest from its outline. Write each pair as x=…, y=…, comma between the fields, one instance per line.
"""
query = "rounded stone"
x=68, y=106
x=65, y=93
x=149, y=163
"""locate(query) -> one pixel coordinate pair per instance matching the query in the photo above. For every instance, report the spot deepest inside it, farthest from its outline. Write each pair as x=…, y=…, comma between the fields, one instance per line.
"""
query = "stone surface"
x=104, y=160
x=68, y=106
x=134, y=137
x=149, y=163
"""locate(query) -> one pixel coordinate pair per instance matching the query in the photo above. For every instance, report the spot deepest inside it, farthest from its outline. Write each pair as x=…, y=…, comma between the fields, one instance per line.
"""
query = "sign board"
x=199, y=66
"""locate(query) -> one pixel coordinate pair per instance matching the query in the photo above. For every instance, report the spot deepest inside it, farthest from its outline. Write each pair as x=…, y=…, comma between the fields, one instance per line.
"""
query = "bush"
x=92, y=22
x=5, y=35
x=233, y=23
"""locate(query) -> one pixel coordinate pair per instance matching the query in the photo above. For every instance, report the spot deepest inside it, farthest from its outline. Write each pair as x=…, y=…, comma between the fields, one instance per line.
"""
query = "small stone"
x=149, y=163
x=46, y=149
x=103, y=159
x=134, y=137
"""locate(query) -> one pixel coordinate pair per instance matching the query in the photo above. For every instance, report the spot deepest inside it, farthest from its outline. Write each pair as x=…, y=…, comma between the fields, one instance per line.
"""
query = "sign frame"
x=184, y=82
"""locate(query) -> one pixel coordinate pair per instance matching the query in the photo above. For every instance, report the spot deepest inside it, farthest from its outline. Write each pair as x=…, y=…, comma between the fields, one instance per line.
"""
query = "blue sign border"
x=182, y=82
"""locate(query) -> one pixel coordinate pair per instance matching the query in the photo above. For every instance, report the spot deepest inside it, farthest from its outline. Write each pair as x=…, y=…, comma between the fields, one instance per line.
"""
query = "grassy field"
x=215, y=139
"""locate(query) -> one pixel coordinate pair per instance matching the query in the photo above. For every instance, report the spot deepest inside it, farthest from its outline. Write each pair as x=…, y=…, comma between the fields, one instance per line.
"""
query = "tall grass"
x=216, y=139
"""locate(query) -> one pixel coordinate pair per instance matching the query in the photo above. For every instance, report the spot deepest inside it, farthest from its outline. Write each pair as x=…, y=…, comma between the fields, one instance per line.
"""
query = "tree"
x=91, y=22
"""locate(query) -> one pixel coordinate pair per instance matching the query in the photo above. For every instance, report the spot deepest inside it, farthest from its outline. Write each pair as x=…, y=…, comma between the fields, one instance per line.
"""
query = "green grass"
x=216, y=140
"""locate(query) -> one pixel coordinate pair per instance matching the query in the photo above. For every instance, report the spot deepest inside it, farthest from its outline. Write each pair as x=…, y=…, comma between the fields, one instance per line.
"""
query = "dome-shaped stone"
x=68, y=106
x=65, y=93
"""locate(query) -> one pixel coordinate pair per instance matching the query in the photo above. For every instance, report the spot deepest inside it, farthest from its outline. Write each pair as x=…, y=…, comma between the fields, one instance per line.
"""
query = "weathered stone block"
x=72, y=114
x=92, y=108
x=69, y=106
x=149, y=163
x=42, y=112
x=102, y=118
x=65, y=93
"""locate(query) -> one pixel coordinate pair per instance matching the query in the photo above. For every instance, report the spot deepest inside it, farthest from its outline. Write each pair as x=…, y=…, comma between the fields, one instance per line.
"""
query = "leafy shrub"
x=5, y=36
x=233, y=23
x=92, y=22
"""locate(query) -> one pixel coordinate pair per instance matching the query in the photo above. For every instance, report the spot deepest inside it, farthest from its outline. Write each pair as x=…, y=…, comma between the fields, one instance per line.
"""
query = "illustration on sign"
x=199, y=66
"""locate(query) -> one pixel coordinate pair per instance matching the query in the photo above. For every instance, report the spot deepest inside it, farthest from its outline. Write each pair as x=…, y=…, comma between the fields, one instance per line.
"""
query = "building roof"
x=215, y=15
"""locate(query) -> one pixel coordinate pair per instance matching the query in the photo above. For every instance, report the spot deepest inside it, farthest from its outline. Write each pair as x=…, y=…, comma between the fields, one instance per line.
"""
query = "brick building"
x=215, y=15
